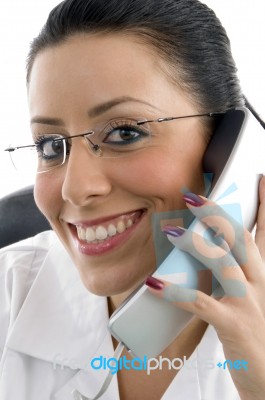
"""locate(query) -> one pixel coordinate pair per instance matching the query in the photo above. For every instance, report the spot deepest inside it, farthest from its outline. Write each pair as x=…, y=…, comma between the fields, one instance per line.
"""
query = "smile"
x=109, y=229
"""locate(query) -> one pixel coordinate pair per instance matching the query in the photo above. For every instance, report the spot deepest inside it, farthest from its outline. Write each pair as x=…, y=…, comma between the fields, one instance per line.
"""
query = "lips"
x=98, y=238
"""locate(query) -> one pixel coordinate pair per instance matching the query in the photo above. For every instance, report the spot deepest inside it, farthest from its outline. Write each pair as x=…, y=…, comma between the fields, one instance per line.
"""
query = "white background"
x=20, y=21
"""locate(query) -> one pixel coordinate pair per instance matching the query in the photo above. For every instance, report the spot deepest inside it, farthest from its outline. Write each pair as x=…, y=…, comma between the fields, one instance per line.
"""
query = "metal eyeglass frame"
x=96, y=148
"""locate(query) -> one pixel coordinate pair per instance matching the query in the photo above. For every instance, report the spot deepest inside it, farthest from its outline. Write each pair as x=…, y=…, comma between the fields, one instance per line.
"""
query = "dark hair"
x=185, y=33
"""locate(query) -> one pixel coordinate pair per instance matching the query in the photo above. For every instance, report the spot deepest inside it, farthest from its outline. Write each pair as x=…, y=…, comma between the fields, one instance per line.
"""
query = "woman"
x=97, y=69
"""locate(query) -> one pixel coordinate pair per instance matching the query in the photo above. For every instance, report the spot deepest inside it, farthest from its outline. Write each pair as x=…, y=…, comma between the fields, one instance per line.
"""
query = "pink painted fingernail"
x=154, y=283
x=175, y=231
x=193, y=199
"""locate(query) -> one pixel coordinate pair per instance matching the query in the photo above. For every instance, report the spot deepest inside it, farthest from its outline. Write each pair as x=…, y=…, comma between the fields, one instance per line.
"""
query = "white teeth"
x=82, y=234
x=129, y=223
x=121, y=226
x=112, y=230
x=101, y=233
x=90, y=234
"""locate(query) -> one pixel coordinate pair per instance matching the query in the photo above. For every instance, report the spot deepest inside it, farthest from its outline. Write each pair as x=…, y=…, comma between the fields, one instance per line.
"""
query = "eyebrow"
x=102, y=108
x=93, y=112
x=46, y=121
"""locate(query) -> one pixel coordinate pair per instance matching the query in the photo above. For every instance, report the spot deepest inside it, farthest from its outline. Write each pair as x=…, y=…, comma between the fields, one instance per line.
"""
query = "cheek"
x=47, y=194
x=164, y=174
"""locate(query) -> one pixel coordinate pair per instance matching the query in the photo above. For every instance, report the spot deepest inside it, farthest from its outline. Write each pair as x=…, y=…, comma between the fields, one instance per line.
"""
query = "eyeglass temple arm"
x=9, y=149
x=213, y=114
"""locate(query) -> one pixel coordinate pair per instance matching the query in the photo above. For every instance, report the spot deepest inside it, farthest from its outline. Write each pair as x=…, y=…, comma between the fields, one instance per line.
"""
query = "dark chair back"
x=19, y=217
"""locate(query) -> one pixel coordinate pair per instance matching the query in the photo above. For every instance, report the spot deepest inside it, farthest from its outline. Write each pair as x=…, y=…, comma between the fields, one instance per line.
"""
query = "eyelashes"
x=118, y=131
x=50, y=147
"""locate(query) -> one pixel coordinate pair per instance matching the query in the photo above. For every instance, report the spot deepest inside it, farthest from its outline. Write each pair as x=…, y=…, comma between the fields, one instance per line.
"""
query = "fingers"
x=239, y=240
x=196, y=302
x=220, y=261
x=222, y=224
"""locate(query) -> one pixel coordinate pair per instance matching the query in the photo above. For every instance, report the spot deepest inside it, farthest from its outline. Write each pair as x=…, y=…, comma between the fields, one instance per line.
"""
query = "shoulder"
x=39, y=243
x=42, y=241
x=21, y=257
x=20, y=264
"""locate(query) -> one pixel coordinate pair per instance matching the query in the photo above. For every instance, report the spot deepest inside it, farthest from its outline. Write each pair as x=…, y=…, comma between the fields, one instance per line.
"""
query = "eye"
x=124, y=133
x=50, y=147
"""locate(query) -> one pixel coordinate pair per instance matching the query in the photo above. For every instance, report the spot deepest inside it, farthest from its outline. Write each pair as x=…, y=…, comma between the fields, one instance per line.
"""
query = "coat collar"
x=60, y=319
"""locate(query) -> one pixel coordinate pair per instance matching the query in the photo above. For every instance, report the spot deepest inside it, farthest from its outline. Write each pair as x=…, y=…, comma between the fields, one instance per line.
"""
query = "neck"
x=116, y=300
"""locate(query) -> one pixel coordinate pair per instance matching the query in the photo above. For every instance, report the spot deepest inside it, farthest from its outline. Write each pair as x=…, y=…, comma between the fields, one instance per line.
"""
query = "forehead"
x=109, y=57
x=90, y=69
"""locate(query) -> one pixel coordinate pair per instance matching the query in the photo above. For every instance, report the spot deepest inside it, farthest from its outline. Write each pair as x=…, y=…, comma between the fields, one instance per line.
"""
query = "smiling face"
x=84, y=83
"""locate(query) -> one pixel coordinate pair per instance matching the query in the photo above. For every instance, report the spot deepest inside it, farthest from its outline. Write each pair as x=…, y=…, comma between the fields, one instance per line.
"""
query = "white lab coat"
x=51, y=327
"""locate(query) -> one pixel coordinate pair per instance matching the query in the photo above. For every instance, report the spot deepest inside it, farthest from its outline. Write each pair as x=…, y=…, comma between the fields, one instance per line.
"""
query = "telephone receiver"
x=145, y=324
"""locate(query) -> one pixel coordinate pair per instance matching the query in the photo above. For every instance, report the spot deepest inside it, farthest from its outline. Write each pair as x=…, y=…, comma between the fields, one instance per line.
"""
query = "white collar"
x=60, y=319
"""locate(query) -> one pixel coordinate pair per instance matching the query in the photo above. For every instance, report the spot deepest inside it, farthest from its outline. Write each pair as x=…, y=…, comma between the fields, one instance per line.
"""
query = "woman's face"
x=86, y=81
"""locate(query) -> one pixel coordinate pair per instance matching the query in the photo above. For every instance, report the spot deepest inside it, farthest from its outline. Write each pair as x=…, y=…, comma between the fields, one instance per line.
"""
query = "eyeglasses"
x=120, y=137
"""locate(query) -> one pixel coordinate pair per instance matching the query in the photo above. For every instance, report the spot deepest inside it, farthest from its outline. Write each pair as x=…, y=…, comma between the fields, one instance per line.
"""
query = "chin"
x=105, y=288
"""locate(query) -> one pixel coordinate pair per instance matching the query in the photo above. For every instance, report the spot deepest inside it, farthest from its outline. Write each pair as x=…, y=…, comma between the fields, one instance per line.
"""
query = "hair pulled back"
x=186, y=34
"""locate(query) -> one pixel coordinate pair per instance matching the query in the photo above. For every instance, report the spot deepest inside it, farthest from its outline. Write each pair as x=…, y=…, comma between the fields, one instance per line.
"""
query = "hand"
x=238, y=314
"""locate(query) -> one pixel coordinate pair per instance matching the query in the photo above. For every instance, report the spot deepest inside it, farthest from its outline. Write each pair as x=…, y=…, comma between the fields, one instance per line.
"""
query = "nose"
x=85, y=177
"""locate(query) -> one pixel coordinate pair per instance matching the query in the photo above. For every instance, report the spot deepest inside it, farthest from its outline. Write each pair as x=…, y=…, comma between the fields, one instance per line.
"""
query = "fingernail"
x=193, y=199
x=171, y=230
x=154, y=283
